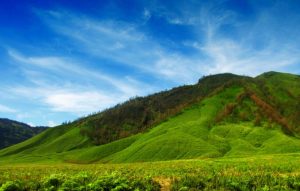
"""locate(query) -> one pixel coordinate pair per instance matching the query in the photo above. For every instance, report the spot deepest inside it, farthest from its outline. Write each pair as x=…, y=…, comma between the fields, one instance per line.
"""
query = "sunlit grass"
x=274, y=172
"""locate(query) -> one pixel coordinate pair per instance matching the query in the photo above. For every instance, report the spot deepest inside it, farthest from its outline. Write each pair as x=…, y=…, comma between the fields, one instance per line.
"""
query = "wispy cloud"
x=65, y=96
x=123, y=43
x=67, y=66
x=106, y=60
x=230, y=56
x=227, y=43
x=6, y=109
x=78, y=100
x=126, y=44
x=246, y=53
x=219, y=53
x=116, y=40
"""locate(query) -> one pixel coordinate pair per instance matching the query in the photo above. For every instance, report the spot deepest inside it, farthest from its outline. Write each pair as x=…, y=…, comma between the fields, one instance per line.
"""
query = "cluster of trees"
x=260, y=111
x=273, y=114
x=141, y=113
x=13, y=132
x=280, y=103
x=136, y=115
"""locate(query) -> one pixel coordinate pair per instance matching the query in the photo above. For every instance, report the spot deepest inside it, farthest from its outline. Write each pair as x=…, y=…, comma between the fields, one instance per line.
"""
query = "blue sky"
x=61, y=60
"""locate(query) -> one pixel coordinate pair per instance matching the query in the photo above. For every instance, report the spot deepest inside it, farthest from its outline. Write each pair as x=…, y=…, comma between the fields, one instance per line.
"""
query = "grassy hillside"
x=13, y=132
x=282, y=91
x=221, y=116
x=139, y=114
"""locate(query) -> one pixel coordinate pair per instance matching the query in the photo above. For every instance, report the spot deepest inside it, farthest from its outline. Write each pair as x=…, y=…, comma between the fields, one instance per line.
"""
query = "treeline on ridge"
x=139, y=114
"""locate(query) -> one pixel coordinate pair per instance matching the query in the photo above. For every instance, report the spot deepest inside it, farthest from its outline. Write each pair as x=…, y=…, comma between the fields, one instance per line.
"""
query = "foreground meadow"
x=271, y=172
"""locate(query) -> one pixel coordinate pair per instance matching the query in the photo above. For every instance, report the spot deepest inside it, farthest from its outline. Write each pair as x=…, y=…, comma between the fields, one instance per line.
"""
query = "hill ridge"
x=190, y=116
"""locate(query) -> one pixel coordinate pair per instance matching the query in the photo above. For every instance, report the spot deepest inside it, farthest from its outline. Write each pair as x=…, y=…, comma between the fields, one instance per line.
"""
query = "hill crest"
x=263, y=114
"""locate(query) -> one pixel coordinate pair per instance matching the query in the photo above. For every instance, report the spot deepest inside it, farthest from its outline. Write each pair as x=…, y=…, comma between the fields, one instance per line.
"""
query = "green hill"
x=223, y=115
x=13, y=132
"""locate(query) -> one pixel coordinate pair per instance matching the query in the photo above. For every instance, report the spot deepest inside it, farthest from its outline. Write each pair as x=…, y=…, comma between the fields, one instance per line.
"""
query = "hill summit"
x=222, y=115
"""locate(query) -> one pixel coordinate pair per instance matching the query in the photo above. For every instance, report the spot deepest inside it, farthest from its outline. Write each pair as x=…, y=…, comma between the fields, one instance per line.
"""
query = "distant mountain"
x=13, y=132
x=222, y=115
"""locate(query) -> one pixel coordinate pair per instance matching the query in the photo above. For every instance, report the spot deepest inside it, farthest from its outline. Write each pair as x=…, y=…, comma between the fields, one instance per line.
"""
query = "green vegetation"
x=13, y=132
x=124, y=120
x=283, y=93
x=222, y=125
x=83, y=181
x=235, y=116
x=268, y=172
x=139, y=114
x=227, y=132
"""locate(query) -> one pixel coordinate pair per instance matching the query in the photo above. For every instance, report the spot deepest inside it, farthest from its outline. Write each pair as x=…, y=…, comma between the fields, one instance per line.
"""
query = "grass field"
x=265, y=172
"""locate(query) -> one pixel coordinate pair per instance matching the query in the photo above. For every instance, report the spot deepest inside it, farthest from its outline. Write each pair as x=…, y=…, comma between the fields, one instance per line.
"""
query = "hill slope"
x=220, y=116
x=13, y=132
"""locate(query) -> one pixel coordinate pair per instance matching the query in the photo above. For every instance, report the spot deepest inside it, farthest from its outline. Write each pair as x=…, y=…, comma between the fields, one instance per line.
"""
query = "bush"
x=53, y=182
x=188, y=183
x=70, y=185
x=11, y=186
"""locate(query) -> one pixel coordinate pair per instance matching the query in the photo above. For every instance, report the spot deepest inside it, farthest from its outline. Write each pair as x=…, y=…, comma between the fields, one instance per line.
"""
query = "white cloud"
x=6, y=109
x=178, y=68
x=236, y=55
x=92, y=91
x=67, y=66
x=45, y=62
x=79, y=102
x=123, y=43
x=229, y=56
x=73, y=85
x=65, y=96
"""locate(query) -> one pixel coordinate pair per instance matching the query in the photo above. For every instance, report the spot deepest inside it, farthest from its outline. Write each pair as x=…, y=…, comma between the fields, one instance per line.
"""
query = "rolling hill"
x=13, y=132
x=223, y=115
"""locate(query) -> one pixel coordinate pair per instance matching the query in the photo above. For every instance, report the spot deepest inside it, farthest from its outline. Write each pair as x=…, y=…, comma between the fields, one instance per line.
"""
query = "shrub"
x=11, y=186
x=53, y=182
